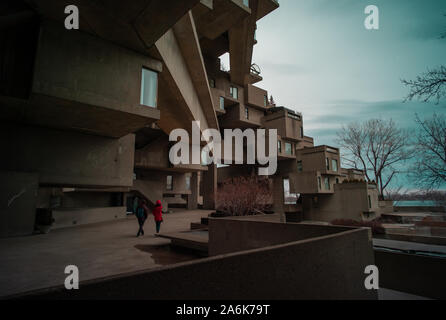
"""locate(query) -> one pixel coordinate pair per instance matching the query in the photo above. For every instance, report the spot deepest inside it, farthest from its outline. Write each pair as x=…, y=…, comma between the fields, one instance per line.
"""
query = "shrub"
x=244, y=196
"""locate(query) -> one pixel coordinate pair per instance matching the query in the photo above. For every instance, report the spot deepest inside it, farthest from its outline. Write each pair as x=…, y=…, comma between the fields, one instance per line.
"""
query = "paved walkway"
x=99, y=250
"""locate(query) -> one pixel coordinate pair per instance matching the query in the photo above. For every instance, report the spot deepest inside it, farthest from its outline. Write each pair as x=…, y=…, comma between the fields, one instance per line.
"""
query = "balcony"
x=313, y=183
x=287, y=122
x=324, y=159
x=286, y=150
x=256, y=97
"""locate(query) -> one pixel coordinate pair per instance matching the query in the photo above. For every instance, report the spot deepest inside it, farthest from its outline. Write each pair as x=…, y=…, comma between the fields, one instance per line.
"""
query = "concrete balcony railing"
x=256, y=97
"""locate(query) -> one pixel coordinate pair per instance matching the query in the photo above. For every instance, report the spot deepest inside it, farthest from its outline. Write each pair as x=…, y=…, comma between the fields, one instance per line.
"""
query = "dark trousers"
x=158, y=226
x=141, y=222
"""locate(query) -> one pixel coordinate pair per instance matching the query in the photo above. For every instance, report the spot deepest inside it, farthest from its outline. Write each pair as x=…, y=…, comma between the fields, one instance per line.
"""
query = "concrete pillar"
x=279, y=198
x=210, y=187
x=192, y=199
x=18, y=196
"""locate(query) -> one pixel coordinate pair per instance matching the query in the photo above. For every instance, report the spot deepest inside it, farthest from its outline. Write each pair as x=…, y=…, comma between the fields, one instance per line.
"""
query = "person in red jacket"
x=158, y=214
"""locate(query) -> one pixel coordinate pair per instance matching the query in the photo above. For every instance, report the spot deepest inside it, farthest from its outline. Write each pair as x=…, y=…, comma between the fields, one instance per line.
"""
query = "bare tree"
x=427, y=86
x=377, y=147
x=430, y=168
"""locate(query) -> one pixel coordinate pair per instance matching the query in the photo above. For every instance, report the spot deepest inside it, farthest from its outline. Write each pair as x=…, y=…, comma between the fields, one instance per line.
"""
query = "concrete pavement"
x=99, y=250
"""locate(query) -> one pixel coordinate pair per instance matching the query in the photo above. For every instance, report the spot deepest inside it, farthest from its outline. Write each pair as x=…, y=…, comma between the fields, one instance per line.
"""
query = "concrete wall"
x=255, y=96
x=233, y=235
x=76, y=66
x=66, y=158
x=327, y=267
x=349, y=201
x=415, y=274
x=18, y=194
x=75, y=217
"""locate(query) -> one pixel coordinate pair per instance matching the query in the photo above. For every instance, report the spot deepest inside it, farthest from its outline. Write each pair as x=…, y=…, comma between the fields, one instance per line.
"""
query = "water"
x=416, y=203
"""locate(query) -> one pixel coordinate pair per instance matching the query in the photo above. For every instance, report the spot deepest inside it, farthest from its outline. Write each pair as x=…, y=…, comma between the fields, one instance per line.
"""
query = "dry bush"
x=244, y=196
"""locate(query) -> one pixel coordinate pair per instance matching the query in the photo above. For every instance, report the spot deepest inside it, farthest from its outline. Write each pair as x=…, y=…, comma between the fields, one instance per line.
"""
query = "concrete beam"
x=241, y=43
x=182, y=91
x=225, y=13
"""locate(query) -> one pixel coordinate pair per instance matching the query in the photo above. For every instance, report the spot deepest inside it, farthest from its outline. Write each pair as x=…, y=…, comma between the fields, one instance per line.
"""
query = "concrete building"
x=86, y=113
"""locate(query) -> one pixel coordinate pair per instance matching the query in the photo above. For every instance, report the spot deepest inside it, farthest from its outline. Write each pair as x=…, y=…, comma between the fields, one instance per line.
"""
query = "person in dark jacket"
x=158, y=215
x=141, y=215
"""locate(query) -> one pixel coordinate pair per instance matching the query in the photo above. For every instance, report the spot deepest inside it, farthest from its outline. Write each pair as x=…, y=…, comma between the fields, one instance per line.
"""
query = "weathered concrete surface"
x=135, y=25
x=64, y=158
x=18, y=194
x=99, y=250
x=69, y=217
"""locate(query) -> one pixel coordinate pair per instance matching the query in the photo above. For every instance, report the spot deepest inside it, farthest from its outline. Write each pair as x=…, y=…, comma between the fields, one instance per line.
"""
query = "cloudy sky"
x=317, y=58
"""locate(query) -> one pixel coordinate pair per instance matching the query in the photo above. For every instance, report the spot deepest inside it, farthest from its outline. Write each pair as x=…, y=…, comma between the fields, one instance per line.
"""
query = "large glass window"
x=319, y=183
x=246, y=3
x=222, y=103
x=187, y=182
x=149, y=88
x=279, y=146
x=299, y=166
x=233, y=91
x=169, y=185
x=327, y=163
x=288, y=148
x=334, y=165
x=327, y=183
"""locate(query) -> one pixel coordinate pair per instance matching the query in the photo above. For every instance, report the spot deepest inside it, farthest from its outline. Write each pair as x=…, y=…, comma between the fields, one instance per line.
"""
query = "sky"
x=318, y=58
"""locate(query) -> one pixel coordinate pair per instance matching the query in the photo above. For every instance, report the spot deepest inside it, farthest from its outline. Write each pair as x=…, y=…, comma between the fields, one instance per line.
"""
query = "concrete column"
x=279, y=197
x=192, y=199
x=210, y=187
x=18, y=196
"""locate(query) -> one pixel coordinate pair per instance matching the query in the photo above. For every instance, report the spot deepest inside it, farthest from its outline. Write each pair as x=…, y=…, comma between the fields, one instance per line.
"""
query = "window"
x=222, y=103
x=301, y=132
x=187, y=182
x=246, y=113
x=212, y=83
x=279, y=146
x=327, y=183
x=327, y=163
x=370, y=202
x=288, y=148
x=169, y=185
x=319, y=183
x=233, y=92
x=149, y=88
x=300, y=168
x=265, y=100
x=337, y=180
x=334, y=165
x=246, y=3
